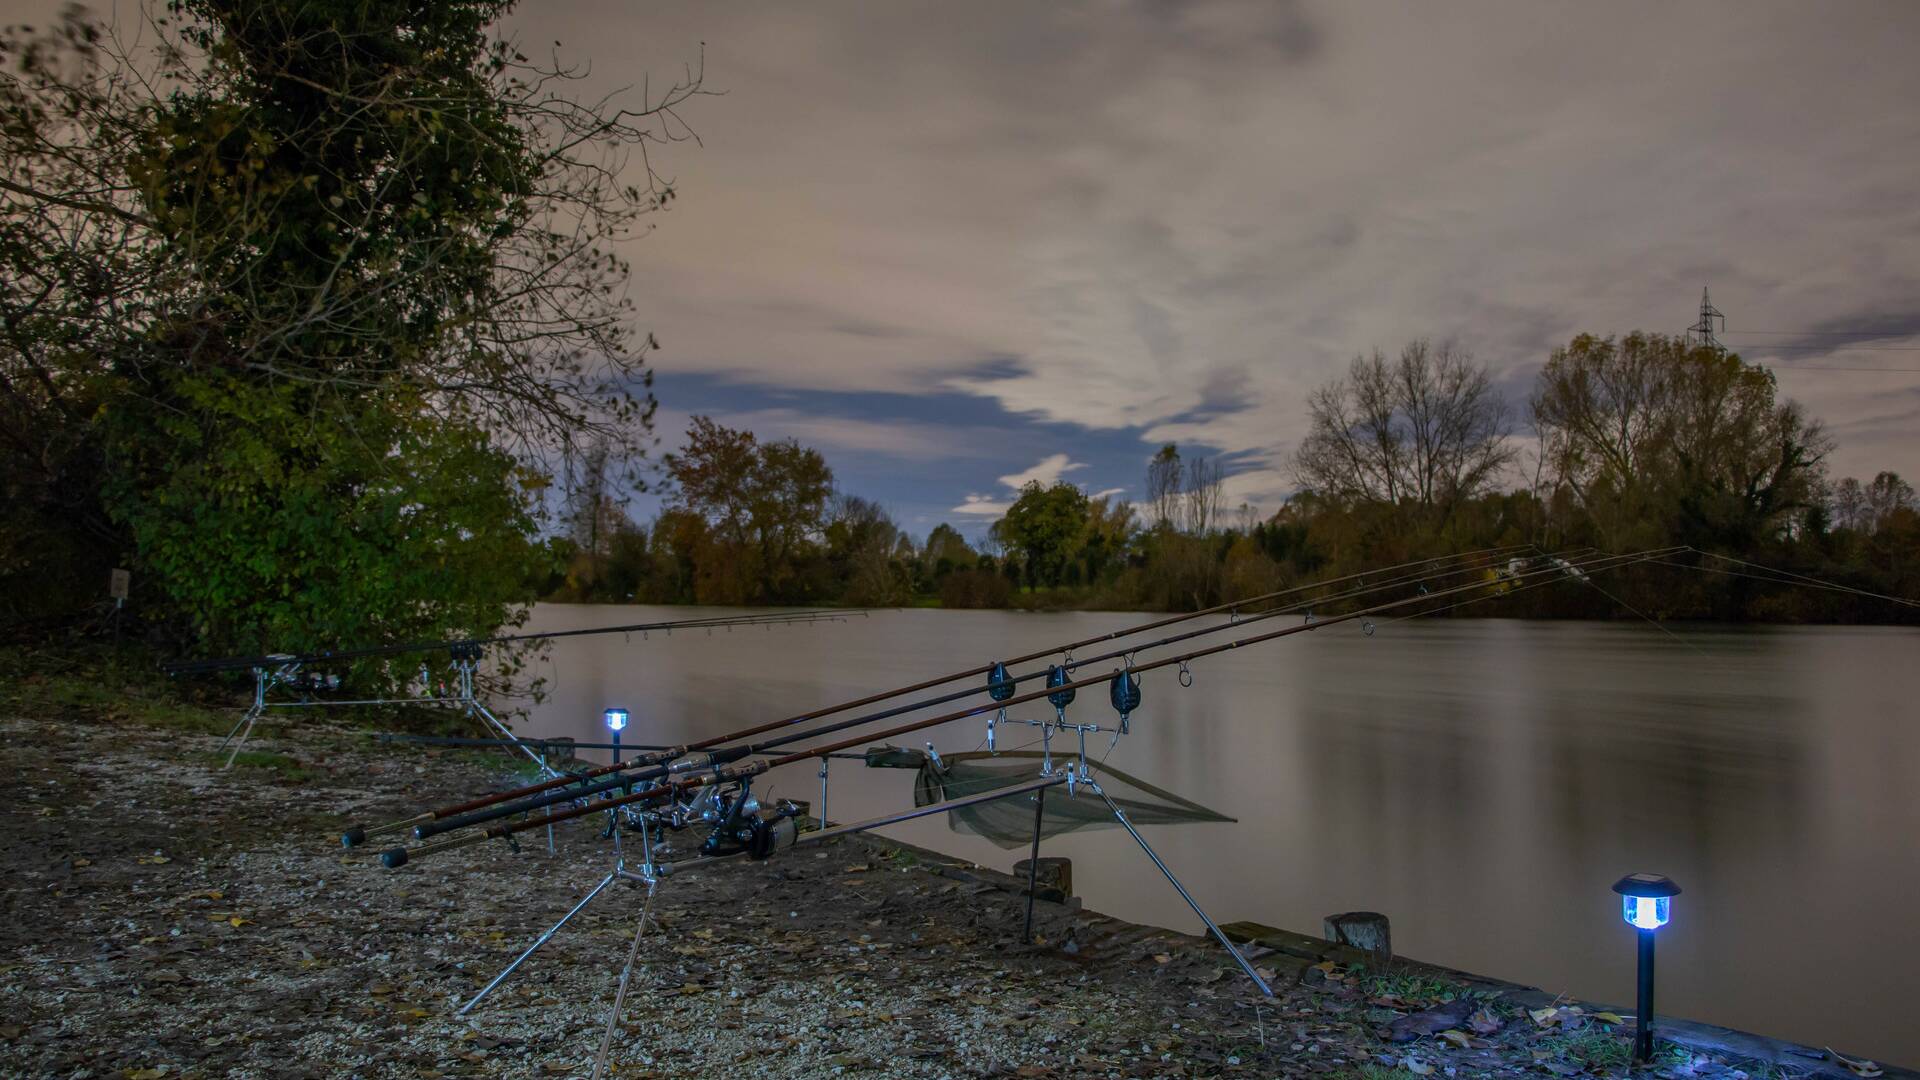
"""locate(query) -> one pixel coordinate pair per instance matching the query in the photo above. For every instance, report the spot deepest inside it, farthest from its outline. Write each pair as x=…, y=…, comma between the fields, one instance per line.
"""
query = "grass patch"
x=1592, y=1048
x=286, y=766
x=97, y=684
x=1410, y=987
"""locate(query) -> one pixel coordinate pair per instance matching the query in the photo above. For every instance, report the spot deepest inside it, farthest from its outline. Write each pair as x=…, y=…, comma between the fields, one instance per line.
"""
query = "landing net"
x=1008, y=823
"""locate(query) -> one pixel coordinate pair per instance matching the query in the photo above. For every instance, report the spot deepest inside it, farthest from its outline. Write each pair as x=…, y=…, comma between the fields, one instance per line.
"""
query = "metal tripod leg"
x=539, y=941
x=1033, y=863
x=246, y=721
x=260, y=678
x=492, y=721
x=626, y=976
x=1121, y=816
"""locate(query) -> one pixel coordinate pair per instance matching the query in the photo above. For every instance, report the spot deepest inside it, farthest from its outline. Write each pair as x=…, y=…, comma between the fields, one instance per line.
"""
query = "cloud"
x=1177, y=220
x=1107, y=493
x=896, y=439
x=1046, y=472
x=983, y=506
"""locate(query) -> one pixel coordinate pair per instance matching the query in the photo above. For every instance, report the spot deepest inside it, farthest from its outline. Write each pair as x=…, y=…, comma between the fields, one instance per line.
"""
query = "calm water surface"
x=1483, y=782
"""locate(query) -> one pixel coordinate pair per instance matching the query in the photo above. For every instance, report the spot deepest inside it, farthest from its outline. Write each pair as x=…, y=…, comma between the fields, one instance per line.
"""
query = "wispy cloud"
x=1047, y=472
x=1222, y=202
x=983, y=506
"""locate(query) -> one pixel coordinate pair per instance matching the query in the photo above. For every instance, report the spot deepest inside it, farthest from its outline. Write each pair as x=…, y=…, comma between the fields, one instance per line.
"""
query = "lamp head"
x=616, y=719
x=1646, y=900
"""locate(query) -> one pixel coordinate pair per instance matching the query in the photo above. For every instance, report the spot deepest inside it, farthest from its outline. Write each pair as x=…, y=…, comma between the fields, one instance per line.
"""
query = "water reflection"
x=1481, y=781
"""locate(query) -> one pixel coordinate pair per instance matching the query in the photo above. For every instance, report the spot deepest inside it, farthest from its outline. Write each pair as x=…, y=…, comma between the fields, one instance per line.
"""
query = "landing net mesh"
x=1008, y=823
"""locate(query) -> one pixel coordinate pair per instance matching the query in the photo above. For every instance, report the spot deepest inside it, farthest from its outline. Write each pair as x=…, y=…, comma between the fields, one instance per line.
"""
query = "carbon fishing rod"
x=233, y=663
x=724, y=773
x=450, y=818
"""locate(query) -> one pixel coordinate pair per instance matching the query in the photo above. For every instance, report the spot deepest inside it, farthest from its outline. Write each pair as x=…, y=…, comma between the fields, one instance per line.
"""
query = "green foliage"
x=268, y=526
x=1046, y=526
x=292, y=293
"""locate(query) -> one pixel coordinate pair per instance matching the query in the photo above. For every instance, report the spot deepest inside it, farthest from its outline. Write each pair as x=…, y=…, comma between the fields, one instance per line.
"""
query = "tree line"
x=1636, y=442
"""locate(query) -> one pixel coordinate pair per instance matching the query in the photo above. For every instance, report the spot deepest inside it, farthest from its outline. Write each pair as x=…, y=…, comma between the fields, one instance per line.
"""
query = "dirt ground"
x=163, y=917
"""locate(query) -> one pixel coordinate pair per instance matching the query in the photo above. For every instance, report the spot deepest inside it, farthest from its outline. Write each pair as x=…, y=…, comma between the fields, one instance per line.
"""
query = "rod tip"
x=353, y=837
x=394, y=859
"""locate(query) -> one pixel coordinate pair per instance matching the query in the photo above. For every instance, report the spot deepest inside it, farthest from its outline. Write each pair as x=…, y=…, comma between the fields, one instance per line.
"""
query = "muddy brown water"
x=1481, y=781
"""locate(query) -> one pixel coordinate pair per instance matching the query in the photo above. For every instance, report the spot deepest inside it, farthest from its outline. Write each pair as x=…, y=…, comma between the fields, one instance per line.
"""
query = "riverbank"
x=164, y=918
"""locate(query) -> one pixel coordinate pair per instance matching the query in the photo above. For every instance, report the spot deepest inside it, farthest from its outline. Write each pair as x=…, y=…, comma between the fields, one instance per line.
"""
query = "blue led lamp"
x=1646, y=903
x=616, y=720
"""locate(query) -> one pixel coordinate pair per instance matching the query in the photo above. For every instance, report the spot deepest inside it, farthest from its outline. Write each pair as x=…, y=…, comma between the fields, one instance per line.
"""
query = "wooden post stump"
x=1053, y=881
x=1365, y=930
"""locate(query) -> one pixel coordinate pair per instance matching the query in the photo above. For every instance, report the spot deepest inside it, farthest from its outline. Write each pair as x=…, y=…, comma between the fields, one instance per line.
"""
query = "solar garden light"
x=1646, y=903
x=616, y=722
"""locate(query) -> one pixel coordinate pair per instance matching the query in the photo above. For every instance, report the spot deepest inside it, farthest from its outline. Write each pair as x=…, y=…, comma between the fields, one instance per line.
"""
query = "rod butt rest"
x=394, y=859
x=353, y=837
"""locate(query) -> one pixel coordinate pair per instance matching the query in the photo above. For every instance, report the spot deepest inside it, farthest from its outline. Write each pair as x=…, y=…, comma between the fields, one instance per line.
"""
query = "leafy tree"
x=261, y=264
x=1659, y=437
x=761, y=502
x=1046, y=525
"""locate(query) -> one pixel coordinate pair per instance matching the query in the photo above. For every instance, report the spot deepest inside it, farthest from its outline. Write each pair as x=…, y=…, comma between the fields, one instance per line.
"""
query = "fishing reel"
x=744, y=825
x=312, y=681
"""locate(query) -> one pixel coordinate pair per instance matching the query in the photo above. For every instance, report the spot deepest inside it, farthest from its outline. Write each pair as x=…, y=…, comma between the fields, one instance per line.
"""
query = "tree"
x=369, y=226
x=761, y=502
x=1866, y=508
x=1656, y=434
x=1428, y=430
x=1164, y=476
x=864, y=545
x=1046, y=526
x=946, y=550
x=1204, y=480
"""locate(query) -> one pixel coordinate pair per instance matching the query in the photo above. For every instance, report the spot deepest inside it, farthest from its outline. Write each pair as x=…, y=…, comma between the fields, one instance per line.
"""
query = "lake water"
x=1483, y=782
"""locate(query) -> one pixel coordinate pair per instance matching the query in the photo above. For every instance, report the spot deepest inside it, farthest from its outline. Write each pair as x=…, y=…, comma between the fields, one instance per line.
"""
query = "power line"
x=1881, y=370
x=1846, y=348
x=1826, y=333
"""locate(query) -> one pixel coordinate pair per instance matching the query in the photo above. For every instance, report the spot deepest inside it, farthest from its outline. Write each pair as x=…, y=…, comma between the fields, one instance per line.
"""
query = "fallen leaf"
x=1162, y=958
x=236, y=922
x=1458, y=1038
x=1431, y=1021
x=1418, y=1067
x=1608, y=1018
x=155, y=859
x=1483, y=1023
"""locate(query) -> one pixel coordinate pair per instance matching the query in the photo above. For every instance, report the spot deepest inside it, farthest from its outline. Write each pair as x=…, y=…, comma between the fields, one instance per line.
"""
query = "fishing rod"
x=1001, y=682
x=436, y=822
x=354, y=836
x=1057, y=693
x=234, y=663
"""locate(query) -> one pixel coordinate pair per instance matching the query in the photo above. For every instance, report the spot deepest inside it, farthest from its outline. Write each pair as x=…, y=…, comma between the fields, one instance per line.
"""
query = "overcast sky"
x=959, y=245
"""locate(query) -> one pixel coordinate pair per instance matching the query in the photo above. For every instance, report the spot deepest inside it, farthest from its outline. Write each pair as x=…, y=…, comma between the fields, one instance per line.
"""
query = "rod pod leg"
x=537, y=942
x=1033, y=863
x=626, y=976
x=1121, y=817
